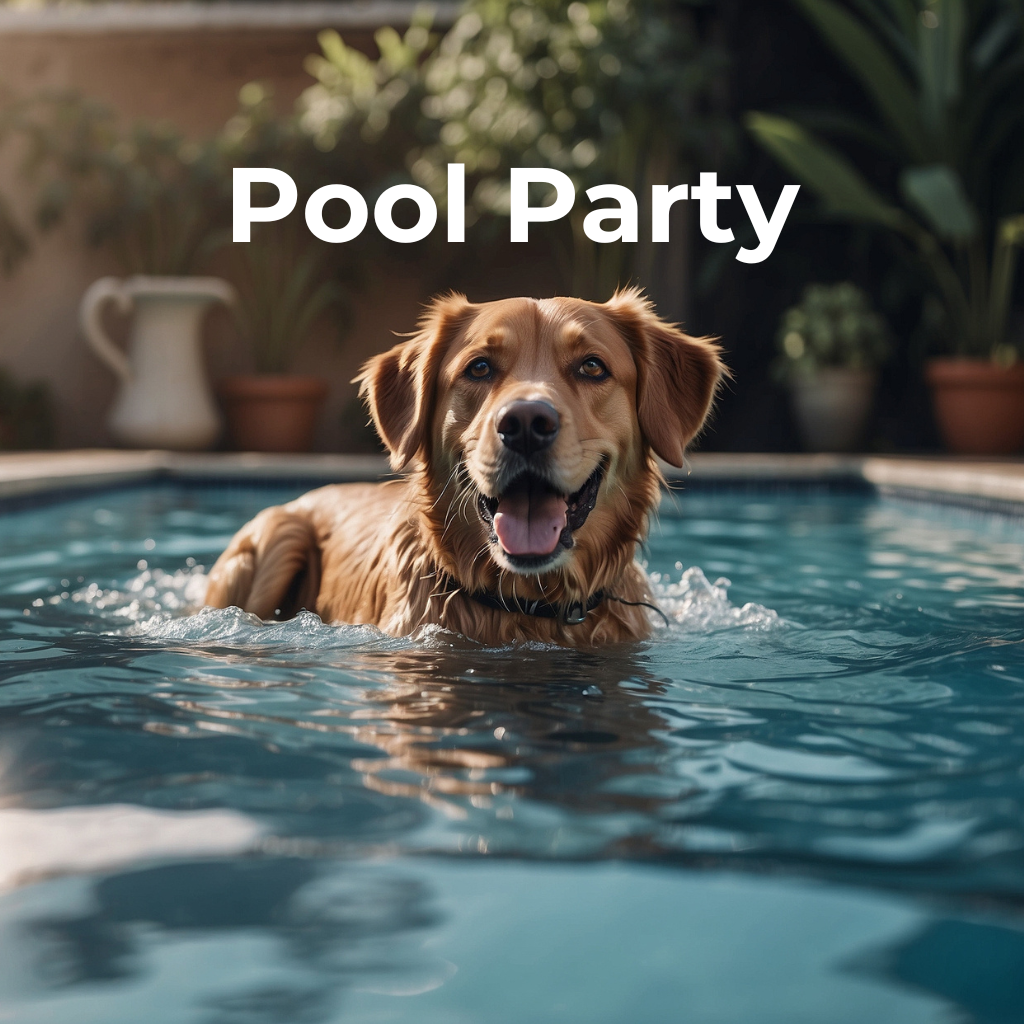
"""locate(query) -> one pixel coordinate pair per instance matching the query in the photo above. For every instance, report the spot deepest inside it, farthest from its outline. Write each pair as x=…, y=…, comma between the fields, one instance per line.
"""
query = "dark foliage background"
x=780, y=64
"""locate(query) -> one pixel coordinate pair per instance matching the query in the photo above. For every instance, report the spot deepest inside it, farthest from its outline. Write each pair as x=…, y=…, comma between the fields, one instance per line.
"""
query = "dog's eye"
x=593, y=368
x=479, y=369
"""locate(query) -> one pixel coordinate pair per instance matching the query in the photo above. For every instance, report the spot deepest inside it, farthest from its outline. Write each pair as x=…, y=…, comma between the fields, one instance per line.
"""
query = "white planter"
x=164, y=400
x=831, y=407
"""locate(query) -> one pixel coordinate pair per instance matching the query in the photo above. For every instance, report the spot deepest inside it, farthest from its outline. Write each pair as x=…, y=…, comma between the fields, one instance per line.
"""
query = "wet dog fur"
x=624, y=387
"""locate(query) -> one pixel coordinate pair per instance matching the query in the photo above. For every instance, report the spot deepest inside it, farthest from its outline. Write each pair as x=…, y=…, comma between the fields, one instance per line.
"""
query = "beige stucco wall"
x=191, y=78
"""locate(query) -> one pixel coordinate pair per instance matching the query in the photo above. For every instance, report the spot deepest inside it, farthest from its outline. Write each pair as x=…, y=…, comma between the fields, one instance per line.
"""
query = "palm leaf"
x=1009, y=237
x=870, y=62
x=998, y=90
x=840, y=185
x=905, y=14
x=937, y=193
x=897, y=30
x=838, y=124
x=993, y=39
x=941, y=49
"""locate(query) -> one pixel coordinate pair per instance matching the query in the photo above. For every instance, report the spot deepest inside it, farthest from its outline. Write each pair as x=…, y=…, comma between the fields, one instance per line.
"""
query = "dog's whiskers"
x=457, y=508
x=451, y=476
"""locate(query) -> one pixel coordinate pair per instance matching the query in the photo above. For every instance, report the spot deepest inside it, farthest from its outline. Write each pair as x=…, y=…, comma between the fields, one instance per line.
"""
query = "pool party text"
x=624, y=217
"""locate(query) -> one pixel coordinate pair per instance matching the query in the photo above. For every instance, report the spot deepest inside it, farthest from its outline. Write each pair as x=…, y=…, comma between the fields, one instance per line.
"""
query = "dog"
x=527, y=432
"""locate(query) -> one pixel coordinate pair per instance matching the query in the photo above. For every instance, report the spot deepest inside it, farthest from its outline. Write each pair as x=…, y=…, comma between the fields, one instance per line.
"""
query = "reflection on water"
x=844, y=703
x=327, y=930
x=310, y=940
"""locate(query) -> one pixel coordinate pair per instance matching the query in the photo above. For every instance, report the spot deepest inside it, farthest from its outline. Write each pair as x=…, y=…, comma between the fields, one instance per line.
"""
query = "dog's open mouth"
x=531, y=520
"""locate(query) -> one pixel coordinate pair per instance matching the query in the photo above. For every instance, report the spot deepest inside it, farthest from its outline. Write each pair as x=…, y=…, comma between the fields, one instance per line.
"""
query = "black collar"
x=571, y=614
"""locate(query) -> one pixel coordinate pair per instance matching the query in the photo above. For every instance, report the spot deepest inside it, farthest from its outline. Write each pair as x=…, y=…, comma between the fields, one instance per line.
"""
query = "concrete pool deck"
x=995, y=483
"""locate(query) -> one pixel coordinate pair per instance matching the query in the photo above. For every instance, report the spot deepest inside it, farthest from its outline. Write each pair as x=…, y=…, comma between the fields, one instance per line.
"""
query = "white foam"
x=164, y=606
x=231, y=627
x=167, y=606
x=697, y=604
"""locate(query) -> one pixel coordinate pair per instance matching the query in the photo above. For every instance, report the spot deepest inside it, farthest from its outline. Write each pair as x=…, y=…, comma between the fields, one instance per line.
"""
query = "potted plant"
x=284, y=288
x=830, y=346
x=156, y=200
x=944, y=79
x=978, y=393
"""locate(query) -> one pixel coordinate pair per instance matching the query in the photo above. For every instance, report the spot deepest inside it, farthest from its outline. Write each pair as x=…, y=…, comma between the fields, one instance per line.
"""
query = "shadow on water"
x=977, y=966
x=324, y=930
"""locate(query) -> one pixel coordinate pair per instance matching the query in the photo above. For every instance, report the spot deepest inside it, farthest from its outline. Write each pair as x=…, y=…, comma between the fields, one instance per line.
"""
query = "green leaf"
x=992, y=40
x=989, y=96
x=868, y=59
x=905, y=13
x=938, y=194
x=899, y=31
x=842, y=188
x=1009, y=237
x=837, y=124
x=333, y=46
x=941, y=50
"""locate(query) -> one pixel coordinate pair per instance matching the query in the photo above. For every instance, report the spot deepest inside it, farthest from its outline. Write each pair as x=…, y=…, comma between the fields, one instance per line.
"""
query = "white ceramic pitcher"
x=165, y=400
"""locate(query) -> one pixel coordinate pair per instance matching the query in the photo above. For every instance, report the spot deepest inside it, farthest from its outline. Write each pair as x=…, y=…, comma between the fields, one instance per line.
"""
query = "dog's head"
x=531, y=424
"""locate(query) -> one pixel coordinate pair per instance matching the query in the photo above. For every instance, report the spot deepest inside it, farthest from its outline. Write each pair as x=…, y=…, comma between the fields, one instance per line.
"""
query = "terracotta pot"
x=272, y=413
x=979, y=406
x=831, y=407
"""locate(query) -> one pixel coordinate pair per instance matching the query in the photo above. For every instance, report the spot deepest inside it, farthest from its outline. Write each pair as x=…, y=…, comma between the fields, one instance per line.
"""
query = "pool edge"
x=993, y=484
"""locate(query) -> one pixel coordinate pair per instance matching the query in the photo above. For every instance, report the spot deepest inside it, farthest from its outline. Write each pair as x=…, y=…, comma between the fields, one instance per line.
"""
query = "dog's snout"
x=528, y=427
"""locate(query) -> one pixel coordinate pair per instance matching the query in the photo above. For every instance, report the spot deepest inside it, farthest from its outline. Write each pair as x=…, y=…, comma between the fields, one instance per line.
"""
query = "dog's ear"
x=677, y=376
x=399, y=385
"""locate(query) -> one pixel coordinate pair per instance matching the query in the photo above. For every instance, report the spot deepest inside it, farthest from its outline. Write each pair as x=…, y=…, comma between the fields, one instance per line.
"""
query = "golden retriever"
x=527, y=430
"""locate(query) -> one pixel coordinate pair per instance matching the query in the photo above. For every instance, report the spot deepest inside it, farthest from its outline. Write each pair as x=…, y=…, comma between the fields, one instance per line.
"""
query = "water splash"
x=153, y=592
x=698, y=604
x=167, y=607
x=231, y=627
x=161, y=605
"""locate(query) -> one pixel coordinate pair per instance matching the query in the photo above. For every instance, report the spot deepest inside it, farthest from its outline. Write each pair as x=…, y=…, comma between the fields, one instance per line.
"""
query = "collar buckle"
x=574, y=613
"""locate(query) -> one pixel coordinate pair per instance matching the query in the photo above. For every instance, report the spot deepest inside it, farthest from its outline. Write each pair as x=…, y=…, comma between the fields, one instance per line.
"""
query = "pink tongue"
x=530, y=523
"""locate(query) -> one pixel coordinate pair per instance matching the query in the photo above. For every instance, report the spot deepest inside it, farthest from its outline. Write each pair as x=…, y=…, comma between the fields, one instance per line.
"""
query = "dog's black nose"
x=528, y=427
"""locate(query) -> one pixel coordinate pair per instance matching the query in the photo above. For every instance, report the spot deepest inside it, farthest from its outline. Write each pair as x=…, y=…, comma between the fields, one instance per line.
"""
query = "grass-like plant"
x=284, y=286
x=945, y=79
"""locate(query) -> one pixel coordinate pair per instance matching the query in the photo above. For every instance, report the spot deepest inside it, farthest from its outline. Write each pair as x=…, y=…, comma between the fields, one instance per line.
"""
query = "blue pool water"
x=803, y=802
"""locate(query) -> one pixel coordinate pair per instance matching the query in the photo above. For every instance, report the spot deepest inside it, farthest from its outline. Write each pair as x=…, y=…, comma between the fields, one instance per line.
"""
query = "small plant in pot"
x=831, y=345
x=939, y=137
x=154, y=200
x=284, y=289
x=978, y=392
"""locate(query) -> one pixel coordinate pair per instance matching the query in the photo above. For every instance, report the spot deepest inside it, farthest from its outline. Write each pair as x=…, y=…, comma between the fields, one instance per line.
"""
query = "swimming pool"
x=803, y=802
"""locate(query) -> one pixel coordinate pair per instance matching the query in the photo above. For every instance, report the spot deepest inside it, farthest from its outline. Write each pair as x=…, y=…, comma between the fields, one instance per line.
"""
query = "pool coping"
x=197, y=16
x=989, y=483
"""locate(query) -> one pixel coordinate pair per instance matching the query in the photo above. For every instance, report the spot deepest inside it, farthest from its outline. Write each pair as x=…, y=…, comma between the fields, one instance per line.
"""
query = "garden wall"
x=184, y=63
